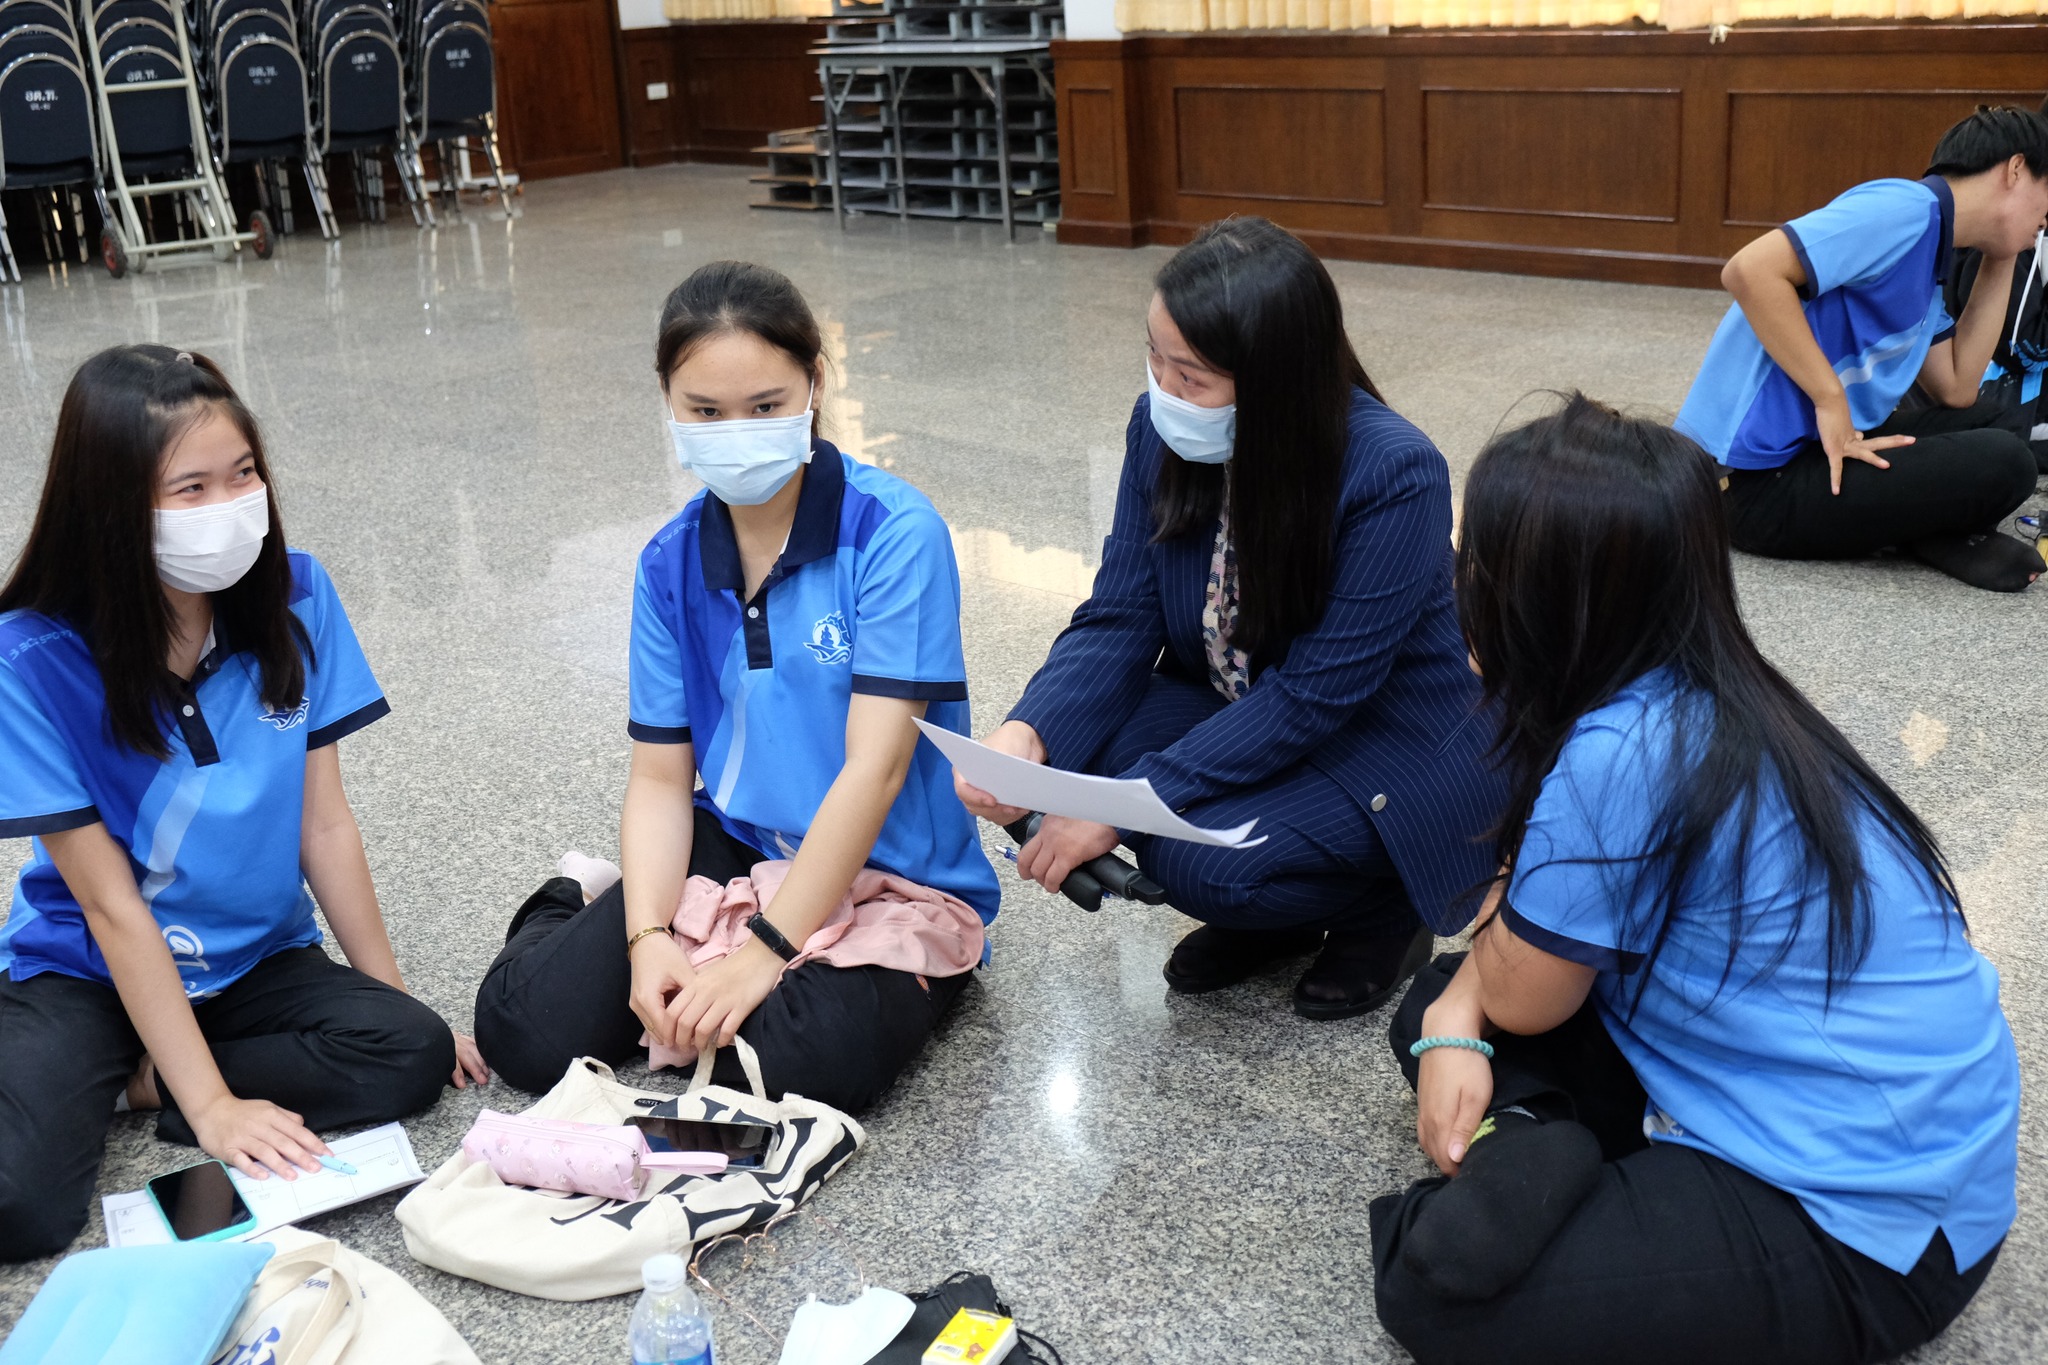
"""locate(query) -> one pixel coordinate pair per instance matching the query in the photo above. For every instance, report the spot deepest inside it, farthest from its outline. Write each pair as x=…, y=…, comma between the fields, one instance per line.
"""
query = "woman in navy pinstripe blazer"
x=1272, y=634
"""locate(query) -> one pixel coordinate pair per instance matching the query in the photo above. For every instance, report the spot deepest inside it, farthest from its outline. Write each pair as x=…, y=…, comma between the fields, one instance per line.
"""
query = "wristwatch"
x=772, y=936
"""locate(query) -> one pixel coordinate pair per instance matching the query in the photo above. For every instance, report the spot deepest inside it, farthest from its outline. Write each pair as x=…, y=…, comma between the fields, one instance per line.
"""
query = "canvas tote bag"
x=466, y=1221
x=318, y=1303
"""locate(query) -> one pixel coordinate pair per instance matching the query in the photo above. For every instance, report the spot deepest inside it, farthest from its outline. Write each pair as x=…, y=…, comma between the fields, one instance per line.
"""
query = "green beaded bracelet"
x=1422, y=1045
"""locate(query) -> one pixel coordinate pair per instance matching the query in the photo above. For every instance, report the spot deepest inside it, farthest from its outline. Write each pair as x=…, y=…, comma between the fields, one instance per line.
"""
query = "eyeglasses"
x=775, y=1267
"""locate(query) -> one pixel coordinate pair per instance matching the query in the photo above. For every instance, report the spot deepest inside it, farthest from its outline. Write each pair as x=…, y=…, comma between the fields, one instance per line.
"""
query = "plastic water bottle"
x=669, y=1327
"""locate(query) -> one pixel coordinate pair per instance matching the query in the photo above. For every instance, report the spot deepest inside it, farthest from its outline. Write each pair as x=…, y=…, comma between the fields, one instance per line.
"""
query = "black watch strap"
x=772, y=936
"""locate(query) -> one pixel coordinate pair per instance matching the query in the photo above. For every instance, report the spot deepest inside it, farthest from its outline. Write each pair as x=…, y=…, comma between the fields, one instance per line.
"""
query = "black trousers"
x=1959, y=477
x=560, y=990
x=1676, y=1256
x=1322, y=865
x=301, y=1030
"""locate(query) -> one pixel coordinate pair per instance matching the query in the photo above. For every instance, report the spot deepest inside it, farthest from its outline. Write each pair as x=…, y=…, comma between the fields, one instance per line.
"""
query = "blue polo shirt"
x=865, y=598
x=212, y=830
x=1875, y=260
x=1888, y=1111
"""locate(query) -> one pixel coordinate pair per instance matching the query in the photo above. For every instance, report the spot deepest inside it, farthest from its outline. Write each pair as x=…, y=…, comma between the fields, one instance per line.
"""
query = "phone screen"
x=199, y=1200
x=745, y=1144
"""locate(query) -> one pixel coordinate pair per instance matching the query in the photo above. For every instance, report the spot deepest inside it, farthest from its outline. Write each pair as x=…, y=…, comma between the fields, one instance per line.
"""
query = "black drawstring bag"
x=936, y=1307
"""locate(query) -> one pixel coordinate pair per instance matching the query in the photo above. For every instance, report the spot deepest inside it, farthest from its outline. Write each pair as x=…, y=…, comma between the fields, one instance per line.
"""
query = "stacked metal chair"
x=154, y=140
x=454, y=94
x=258, y=94
x=351, y=48
x=48, y=139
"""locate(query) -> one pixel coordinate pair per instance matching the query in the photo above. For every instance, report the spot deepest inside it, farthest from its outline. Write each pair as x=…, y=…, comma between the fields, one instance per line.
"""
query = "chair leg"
x=78, y=227
x=315, y=169
x=10, y=272
x=405, y=158
x=50, y=234
x=490, y=141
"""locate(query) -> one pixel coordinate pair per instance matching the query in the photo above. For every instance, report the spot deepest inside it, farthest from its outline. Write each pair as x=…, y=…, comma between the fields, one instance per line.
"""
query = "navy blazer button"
x=1379, y=802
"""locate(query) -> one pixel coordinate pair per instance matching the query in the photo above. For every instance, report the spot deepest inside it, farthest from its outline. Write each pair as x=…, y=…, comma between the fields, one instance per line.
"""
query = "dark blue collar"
x=1946, y=197
x=813, y=534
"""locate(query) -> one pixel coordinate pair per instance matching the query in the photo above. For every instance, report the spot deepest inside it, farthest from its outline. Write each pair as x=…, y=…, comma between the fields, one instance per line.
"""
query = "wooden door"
x=558, y=91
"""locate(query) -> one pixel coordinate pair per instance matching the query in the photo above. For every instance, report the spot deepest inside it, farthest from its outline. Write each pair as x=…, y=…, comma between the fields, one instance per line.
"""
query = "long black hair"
x=1593, y=550
x=1255, y=303
x=90, y=560
x=737, y=296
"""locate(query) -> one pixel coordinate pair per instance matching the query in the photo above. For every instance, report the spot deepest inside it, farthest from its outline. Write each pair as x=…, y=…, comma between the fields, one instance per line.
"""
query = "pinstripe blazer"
x=1377, y=694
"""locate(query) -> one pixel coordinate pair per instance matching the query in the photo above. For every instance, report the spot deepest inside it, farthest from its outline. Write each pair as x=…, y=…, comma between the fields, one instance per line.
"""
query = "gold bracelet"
x=650, y=929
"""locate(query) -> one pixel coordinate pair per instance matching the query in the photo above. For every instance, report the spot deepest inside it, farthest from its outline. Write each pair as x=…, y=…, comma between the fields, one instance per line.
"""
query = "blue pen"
x=337, y=1165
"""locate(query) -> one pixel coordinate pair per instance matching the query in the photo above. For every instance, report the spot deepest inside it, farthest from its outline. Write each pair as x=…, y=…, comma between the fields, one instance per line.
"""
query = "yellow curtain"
x=1700, y=13
x=1202, y=16
x=729, y=11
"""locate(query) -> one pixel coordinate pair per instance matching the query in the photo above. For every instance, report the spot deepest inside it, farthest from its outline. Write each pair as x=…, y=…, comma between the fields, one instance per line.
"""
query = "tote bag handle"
x=332, y=1327
x=749, y=1063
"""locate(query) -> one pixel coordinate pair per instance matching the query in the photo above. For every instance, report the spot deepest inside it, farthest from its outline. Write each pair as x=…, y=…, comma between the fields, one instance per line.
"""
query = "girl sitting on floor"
x=790, y=625
x=174, y=682
x=1722, y=1079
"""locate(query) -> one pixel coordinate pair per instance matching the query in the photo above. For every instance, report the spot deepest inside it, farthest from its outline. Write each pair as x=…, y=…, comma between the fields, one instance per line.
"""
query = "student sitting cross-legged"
x=1837, y=315
x=1722, y=1079
x=790, y=625
x=173, y=686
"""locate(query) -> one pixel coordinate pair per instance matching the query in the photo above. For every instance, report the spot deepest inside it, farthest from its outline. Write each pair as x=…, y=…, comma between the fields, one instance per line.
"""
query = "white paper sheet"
x=383, y=1159
x=1125, y=802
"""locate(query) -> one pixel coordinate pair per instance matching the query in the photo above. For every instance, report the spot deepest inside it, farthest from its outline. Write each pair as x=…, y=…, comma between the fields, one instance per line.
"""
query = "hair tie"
x=185, y=356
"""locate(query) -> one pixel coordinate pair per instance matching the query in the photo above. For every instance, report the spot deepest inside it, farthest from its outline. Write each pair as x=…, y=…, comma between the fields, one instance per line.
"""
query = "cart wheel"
x=113, y=252
x=265, y=243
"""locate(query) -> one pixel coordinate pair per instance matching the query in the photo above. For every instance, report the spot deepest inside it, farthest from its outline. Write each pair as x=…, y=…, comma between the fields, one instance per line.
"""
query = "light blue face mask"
x=1198, y=435
x=747, y=460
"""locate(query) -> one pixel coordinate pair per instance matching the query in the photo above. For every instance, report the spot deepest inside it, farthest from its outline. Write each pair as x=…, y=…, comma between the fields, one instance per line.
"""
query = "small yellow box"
x=973, y=1338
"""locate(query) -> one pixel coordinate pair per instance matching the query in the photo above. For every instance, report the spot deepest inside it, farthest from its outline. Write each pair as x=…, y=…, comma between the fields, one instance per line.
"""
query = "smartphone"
x=745, y=1144
x=201, y=1204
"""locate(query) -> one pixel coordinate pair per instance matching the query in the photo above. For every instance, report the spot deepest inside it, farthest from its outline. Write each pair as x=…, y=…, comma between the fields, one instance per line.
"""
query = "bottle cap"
x=664, y=1273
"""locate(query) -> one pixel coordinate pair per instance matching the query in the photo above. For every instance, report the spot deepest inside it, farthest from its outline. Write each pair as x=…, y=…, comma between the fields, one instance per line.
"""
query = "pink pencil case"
x=603, y=1159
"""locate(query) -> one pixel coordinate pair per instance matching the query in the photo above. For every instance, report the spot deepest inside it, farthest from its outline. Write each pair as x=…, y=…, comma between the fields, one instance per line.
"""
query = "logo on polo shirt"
x=188, y=951
x=285, y=720
x=828, y=642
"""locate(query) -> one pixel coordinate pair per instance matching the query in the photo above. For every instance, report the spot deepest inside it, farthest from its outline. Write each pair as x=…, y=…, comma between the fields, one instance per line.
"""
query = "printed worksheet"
x=1125, y=802
x=383, y=1159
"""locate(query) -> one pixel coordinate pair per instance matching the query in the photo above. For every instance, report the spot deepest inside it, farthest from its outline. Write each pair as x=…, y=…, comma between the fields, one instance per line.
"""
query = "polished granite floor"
x=465, y=429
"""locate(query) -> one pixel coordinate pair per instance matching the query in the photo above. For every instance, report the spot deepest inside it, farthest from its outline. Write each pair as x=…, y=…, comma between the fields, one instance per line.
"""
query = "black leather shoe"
x=1211, y=958
x=1355, y=973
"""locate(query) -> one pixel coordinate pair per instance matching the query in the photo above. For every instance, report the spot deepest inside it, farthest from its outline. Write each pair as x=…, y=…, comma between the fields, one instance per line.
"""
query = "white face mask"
x=745, y=461
x=206, y=549
x=1198, y=435
x=846, y=1333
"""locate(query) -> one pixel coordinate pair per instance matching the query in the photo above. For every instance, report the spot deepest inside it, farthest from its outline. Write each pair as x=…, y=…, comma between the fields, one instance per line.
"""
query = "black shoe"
x=1211, y=957
x=1355, y=973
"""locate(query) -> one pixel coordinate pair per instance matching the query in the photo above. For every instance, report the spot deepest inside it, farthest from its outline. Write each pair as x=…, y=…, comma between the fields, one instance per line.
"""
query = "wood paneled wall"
x=1629, y=155
x=729, y=86
x=558, y=93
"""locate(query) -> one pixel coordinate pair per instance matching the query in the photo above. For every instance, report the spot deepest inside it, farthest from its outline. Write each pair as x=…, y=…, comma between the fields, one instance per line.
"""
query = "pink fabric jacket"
x=884, y=921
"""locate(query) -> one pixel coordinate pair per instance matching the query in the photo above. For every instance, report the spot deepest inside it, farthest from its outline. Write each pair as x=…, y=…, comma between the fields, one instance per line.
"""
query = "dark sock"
x=1518, y=1183
x=1989, y=560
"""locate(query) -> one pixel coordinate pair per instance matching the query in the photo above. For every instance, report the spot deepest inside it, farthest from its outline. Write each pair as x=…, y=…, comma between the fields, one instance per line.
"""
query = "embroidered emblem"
x=286, y=720
x=829, y=643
